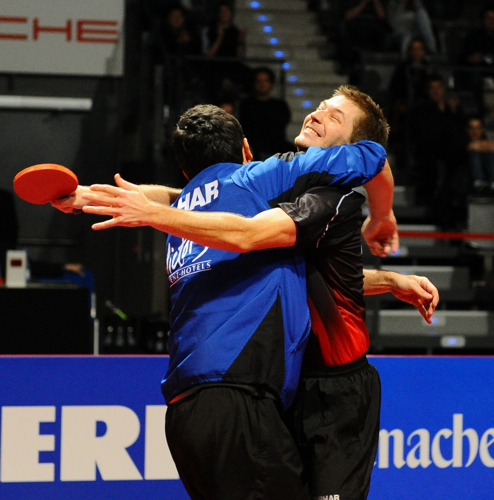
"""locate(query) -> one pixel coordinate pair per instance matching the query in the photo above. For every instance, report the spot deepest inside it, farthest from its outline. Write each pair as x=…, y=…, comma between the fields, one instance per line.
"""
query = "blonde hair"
x=371, y=125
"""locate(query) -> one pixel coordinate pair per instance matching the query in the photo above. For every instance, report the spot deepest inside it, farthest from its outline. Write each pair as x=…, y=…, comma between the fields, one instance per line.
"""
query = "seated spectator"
x=477, y=52
x=364, y=26
x=480, y=158
x=264, y=118
x=408, y=19
x=177, y=33
x=408, y=87
x=437, y=132
x=225, y=40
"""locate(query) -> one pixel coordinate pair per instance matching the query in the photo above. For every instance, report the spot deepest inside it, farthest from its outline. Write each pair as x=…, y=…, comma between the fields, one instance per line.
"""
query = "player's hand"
x=381, y=235
x=418, y=291
x=126, y=204
x=72, y=203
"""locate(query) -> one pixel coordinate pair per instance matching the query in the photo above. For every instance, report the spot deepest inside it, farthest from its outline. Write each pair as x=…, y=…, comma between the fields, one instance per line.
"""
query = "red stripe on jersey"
x=340, y=329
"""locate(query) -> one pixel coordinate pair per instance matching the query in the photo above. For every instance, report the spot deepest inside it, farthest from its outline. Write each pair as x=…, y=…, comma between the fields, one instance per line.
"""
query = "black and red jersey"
x=329, y=224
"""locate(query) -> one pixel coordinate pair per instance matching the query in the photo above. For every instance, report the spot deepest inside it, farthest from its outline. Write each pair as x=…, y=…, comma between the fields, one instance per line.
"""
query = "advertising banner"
x=79, y=427
x=437, y=428
x=66, y=37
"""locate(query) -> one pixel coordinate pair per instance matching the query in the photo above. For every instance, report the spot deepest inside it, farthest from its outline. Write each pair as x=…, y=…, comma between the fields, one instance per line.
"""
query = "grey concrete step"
x=481, y=220
x=298, y=75
x=284, y=5
x=267, y=30
x=443, y=277
x=316, y=92
x=304, y=104
x=280, y=22
x=282, y=51
x=417, y=242
x=298, y=39
x=307, y=66
x=410, y=322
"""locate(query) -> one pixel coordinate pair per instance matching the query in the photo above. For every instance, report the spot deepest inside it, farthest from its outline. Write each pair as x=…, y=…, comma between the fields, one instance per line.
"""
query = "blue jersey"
x=243, y=318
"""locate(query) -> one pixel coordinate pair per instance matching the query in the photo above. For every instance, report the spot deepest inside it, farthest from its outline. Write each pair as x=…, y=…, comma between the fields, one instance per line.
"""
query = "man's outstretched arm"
x=131, y=207
x=415, y=290
x=75, y=201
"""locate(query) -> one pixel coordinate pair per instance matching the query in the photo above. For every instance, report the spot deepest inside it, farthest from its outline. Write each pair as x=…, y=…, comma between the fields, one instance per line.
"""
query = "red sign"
x=77, y=30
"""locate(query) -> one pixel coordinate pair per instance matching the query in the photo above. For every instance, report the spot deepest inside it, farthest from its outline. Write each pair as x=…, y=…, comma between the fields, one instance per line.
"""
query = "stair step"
x=303, y=105
x=417, y=242
x=296, y=6
x=443, y=277
x=308, y=68
x=410, y=322
x=317, y=92
x=299, y=39
x=282, y=52
x=296, y=76
x=481, y=220
x=268, y=30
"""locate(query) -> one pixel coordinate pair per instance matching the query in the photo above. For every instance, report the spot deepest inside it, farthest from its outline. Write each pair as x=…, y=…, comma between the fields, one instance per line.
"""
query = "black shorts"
x=335, y=421
x=229, y=444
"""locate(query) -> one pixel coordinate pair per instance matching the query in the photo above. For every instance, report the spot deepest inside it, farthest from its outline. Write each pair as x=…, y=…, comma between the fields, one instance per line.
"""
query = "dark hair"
x=206, y=135
x=267, y=70
x=371, y=125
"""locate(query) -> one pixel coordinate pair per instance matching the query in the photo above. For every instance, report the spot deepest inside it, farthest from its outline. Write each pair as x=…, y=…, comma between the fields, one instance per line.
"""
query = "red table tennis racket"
x=43, y=183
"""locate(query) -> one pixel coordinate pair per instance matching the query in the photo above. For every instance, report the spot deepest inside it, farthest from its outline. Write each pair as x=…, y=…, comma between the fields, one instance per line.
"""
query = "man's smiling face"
x=331, y=124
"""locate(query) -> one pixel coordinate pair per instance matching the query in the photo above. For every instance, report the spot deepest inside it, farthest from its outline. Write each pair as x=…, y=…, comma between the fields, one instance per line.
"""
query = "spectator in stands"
x=480, y=157
x=409, y=18
x=437, y=134
x=264, y=118
x=177, y=34
x=477, y=51
x=225, y=40
x=408, y=88
x=364, y=26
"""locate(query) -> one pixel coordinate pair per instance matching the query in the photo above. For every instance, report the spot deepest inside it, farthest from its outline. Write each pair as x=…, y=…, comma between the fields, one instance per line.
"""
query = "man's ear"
x=246, y=152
